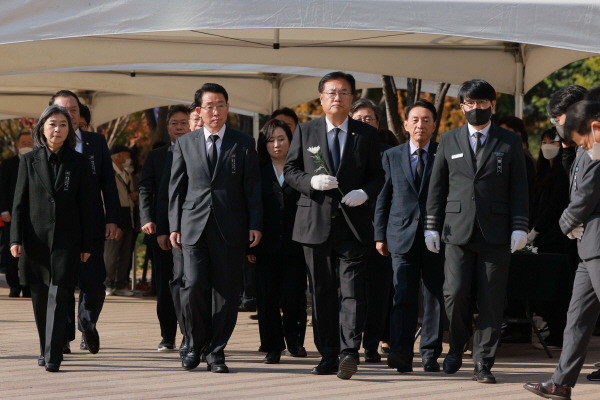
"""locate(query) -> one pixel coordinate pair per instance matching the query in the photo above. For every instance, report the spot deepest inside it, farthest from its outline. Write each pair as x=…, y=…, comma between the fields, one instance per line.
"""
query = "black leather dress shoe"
x=272, y=357
x=452, y=363
x=82, y=345
x=191, y=360
x=92, y=339
x=184, y=347
x=14, y=292
x=594, y=376
x=401, y=362
x=372, y=356
x=26, y=292
x=166, y=345
x=66, y=348
x=41, y=361
x=218, y=368
x=327, y=366
x=348, y=365
x=482, y=374
x=52, y=367
x=549, y=390
x=301, y=352
x=431, y=365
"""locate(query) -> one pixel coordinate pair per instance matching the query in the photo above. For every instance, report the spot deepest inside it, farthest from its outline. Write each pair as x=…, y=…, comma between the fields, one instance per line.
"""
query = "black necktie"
x=212, y=156
x=335, y=150
x=420, y=168
x=477, y=148
x=53, y=161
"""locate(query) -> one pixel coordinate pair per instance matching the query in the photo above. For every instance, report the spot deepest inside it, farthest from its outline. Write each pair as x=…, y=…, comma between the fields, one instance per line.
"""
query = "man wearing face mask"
x=478, y=204
x=8, y=182
x=117, y=251
x=580, y=220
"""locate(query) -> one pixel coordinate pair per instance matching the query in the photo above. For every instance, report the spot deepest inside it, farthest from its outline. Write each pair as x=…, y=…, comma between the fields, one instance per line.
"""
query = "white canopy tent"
x=512, y=44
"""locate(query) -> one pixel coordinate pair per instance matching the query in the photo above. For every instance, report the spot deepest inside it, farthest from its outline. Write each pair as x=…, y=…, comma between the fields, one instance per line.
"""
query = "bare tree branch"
x=391, y=106
x=440, y=99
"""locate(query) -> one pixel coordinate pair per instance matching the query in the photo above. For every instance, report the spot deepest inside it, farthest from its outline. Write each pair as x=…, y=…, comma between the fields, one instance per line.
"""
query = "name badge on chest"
x=233, y=166
x=67, y=180
x=93, y=164
x=499, y=157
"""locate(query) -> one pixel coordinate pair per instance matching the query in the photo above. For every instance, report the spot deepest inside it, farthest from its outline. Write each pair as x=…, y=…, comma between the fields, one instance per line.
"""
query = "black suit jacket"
x=400, y=206
x=152, y=173
x=496, y=195
x=232, y=193
x=360, y=168
x=104, y=195
x=52, y=222
x=8, y=182
x=162, y=202
x=279, y=213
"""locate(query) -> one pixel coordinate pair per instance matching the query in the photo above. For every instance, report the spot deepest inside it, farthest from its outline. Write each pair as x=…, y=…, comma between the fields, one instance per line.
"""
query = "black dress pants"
x=212, y=281
x=338, y=325
x=175, y=285
x=379, y=288
x=162, y=266
x=281, y=284
x=483, y=266
x=50, y=309
x=419, y=264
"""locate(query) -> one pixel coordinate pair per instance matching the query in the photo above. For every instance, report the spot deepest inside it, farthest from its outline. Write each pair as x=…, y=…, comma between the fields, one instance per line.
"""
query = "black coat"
x=360, y=168
x=8, y=181
x=52, y=222
x=152, y=173
x=279, y=213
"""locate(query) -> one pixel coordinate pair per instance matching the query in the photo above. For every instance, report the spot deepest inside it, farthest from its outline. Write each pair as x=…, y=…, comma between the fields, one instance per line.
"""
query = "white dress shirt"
x=279, y=177
x=209, y=142
x=341, y=135
x=79, y=144
x=484, y=134
x=414, y=158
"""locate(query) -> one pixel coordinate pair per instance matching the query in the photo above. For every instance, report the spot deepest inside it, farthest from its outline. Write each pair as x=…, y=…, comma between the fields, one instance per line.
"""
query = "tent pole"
x=255, y=121
x=520, y=72
x=276, y=84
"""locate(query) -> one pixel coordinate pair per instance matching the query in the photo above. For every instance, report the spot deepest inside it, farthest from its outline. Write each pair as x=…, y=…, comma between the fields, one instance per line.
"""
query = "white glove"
x=355, y=198
x=532, y=235
x=518, y=240
x=323, y=182
x=432, y=241
x=576, y=233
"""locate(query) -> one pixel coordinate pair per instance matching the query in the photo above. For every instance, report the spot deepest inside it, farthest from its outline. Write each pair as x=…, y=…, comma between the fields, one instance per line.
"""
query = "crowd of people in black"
x=333, y=206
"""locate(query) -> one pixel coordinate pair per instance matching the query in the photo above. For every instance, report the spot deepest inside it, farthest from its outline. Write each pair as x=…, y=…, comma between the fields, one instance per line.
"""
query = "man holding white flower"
x=334, y=162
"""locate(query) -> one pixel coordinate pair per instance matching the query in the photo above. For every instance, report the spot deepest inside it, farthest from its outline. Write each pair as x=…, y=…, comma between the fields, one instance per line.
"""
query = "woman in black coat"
x=281, y=270
x=51, y=226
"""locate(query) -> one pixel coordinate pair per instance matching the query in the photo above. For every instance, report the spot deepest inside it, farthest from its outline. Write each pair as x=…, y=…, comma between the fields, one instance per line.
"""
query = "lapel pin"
x=353, y=133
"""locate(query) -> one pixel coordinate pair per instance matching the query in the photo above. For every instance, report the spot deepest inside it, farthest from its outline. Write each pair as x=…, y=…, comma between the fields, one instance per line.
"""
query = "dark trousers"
x=379, y=288
x=162, y=268
x=175, y=285
x=419, y=264
x=338, y=329
x=281, y=283
x=50, y=309
x=581, y=321
x=212, y=281
x=117, y=259
x=91, y=292
x=481, y=266
x=249, y=289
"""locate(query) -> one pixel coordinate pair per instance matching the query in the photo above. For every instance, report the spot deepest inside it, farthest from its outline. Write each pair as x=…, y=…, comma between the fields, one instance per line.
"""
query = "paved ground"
x=128, y=366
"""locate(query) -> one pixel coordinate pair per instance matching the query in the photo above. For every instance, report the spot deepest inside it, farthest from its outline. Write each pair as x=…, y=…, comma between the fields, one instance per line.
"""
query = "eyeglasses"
x=479, y=103
x=211, y=109
x=333, y=95
x=368, y=119
x=179, y=123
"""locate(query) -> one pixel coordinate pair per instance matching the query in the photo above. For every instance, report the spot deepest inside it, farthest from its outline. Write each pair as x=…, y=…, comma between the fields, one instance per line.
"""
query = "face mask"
x=560, y=129
x=594, y=152
x=479, y=116
x=127, y=164
x=24, y=150
x=549, y=151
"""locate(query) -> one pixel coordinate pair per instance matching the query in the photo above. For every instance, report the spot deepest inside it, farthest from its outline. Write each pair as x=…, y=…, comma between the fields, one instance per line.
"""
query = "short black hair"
x=476, y=89
x=423, y=104
x=288, y=112
x=64, y=93
x=365, y=103
x=210, y=88
x=265, y=135
x=24, y=133
x=517, y=125
x=192, y=107
x=119, y=148
x=580, y=117
x=562, y=99
x=338, y=75
x=85, y=113
x=593, y=94
x=39, y=140
x=177, y=108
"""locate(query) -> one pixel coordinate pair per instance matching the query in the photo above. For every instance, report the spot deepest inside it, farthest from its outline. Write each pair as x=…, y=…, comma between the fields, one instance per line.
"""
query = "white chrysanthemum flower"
x=314, y=150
